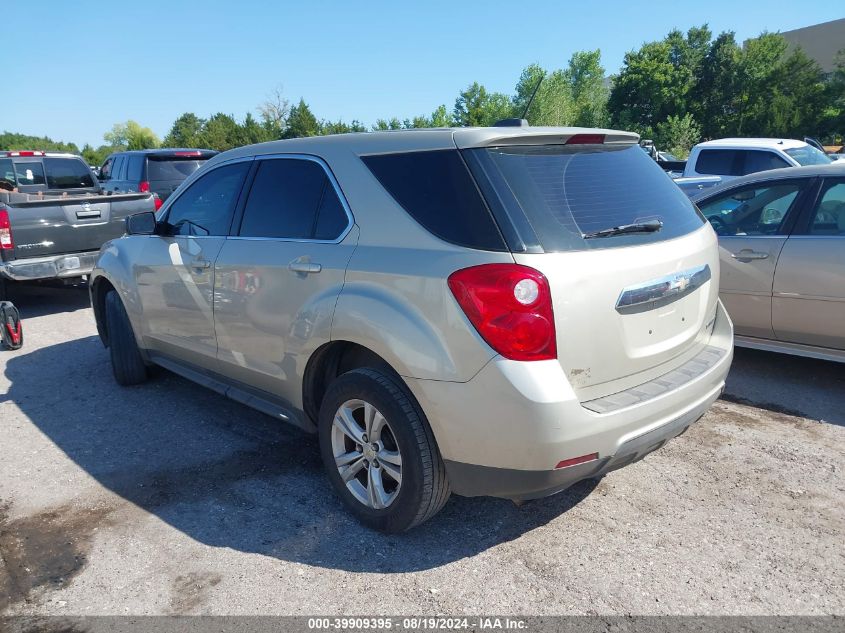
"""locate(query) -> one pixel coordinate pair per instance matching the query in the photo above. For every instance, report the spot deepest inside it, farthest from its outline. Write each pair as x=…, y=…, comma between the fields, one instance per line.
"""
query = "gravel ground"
x=168, y=498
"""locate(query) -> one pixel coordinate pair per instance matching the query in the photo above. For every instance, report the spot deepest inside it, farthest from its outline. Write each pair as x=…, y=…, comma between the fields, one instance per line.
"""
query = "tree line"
x=678, y=91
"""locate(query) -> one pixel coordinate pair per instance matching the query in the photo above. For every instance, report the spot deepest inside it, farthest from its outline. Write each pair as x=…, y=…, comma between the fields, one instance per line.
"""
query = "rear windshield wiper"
x=651, y=226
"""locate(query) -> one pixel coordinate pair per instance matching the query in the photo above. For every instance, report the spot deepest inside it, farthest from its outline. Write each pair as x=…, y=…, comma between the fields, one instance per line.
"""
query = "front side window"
x=755, y=210
x=759, y=160
x=106, y=169
x=30, y=173
x=67, y=173
x=206, y=207
x=293, y=198
x=829, y=214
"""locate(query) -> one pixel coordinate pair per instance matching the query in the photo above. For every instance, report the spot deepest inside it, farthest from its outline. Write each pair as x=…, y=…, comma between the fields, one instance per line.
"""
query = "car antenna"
x=522, y=121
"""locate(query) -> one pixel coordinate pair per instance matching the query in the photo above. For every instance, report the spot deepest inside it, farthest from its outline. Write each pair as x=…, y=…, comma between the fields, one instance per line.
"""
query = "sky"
x=73, y=69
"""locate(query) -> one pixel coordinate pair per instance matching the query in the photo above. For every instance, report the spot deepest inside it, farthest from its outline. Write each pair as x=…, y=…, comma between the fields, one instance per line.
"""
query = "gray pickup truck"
x=54, y=216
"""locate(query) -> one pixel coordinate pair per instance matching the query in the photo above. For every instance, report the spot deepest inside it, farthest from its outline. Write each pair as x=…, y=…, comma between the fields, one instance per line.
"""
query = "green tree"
x=477, y=107
x=383, y=124
x=221, y=132
x=186, y=131
x=13, y=141
x=441, y=117
x=677, y=135
x=131, y=135
x=588, y=90
x=301, y=121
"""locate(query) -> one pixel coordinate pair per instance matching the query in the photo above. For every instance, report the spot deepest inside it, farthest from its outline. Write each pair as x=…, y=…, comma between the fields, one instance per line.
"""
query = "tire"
x=423, y=487
x=126, y=361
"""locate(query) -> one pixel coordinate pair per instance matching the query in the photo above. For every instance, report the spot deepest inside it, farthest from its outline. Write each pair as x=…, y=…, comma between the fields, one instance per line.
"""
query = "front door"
x=175, y=275
x=751, y=224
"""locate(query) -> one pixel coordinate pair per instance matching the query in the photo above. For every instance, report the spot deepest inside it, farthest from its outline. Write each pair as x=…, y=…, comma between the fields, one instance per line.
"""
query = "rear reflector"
x=586, y=139
x=6, y=241
x=566, y=463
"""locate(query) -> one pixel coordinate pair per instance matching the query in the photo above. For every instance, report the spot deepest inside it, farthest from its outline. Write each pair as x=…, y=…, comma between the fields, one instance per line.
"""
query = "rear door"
x=808, y=304
x=752, y=223
x=175, y=273
x=278, y=278
x=561, y=196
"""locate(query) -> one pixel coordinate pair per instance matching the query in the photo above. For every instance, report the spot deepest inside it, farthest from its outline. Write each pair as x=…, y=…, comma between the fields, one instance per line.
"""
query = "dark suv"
x=156, y=170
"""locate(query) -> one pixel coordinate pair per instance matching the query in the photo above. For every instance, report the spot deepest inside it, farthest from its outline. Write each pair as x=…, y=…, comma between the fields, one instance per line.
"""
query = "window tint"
x=7, y=172
x=331, y=217
x=173, y=169
x=30, y=173
x=206, y=207
x=567, y=191
x=756, y=160
x=438, y=191
x=718, y=162
x=135, y=167
x=117, y=171
x=106, y=169
x=67, y=173
x=754, y=210
x=284, y=199
x=809, y=155
x=829, y=216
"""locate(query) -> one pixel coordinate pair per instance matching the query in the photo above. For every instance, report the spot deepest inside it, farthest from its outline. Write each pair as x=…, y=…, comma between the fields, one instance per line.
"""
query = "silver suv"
x=485, y=311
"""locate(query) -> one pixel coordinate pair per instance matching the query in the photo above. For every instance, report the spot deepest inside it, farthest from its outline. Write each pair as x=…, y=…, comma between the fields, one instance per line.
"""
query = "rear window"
x=438, y=191
x=171, y=168
x=561, y=193
x=67, y=173
x=29, y=173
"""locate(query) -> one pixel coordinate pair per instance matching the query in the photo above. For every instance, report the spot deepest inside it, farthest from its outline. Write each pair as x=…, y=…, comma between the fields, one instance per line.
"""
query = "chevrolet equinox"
x=486, y=311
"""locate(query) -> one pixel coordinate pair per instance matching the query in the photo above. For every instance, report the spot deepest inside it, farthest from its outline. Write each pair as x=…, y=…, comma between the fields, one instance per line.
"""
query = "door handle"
x=200, y=264
x=748, y=255
x=305, y=267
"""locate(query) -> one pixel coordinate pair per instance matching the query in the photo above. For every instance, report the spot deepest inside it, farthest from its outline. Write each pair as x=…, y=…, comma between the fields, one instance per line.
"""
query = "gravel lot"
x=167, y=498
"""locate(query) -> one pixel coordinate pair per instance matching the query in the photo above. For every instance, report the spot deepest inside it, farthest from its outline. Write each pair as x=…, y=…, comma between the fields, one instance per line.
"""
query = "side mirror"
x=141, y=223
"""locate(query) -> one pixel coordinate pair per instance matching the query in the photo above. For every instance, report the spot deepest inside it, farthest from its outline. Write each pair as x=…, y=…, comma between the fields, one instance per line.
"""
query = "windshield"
x=808, y=155
x=560, y=194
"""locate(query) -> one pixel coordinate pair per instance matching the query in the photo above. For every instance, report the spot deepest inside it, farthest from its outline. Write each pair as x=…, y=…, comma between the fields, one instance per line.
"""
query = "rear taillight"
x=157, y=201
x=6, y=241
x=510, y=306
x=144, y=186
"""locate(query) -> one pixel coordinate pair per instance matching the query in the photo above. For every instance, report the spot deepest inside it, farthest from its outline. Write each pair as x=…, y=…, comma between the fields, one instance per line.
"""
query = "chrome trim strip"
x=657, y=292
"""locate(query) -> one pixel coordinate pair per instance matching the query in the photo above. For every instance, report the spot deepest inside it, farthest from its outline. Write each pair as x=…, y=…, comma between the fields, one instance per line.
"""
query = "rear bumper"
x=504, y=432
x=52, y=267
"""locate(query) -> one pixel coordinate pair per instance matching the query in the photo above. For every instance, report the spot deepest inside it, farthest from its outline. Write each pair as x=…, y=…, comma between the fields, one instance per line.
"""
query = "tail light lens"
x=143, y=186
x=511, y=307
x=157, y=201
x=6, y=241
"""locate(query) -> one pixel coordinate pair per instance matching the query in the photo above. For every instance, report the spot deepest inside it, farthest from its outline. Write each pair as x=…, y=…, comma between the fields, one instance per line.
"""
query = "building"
x=820, y=42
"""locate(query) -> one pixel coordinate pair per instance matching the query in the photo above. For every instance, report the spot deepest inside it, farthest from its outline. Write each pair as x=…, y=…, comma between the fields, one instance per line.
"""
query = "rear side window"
x=438, y=191
x=135, y=167
x=719, y=162
x=7, y=172
x=171, y=169
x=67, y=173
x=565, y=192
x=293, y=198
x=118, y=170
x=30, y=173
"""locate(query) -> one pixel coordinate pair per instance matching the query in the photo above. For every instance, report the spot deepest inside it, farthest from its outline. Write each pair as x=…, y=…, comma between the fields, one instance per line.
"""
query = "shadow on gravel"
x=35, y=300
x=229, y=477
x=793, y=385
